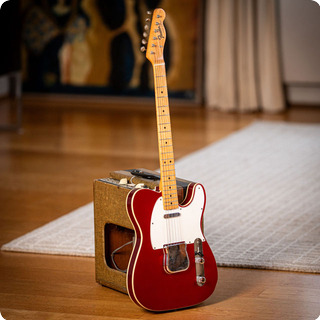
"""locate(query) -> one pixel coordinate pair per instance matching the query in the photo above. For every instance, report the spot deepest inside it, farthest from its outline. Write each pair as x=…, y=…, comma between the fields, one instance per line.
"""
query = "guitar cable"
x=115, y=251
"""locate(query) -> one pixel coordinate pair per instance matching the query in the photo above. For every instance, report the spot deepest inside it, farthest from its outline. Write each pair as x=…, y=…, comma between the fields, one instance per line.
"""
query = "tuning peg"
x=148, y=20
x=145, y=34
x=149, y=12
x=142, y=49
x=146, y=27
x=144, y=41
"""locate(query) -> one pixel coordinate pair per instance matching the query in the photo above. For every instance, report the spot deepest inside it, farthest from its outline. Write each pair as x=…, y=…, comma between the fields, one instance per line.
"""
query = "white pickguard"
x=184, y=228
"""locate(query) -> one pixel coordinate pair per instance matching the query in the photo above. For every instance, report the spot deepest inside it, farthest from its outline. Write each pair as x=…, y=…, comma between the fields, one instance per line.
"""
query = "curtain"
x=242, y=63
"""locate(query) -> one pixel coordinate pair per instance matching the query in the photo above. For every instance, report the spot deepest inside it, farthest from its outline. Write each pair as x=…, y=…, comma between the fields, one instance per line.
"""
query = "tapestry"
x=93, y=46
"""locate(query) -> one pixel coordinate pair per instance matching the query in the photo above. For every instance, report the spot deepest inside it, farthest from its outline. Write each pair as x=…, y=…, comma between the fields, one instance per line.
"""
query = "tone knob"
x=201, y=280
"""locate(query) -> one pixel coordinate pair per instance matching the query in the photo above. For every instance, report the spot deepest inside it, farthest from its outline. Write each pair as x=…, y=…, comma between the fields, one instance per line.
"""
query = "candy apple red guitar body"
x=149, y=283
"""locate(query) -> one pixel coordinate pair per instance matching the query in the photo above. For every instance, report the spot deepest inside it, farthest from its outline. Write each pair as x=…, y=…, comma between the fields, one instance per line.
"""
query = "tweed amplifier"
x=114, y=233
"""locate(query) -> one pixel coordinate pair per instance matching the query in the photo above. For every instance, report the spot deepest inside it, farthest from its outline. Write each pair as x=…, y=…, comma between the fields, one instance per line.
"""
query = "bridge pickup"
x=171, y=215
x=176, y=257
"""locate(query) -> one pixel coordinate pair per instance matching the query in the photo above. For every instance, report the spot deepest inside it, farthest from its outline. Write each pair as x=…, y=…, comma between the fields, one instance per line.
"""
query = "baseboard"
x=307, y=94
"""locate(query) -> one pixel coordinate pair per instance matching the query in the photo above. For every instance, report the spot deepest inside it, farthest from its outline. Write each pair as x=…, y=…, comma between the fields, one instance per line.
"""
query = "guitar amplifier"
x=114, y=233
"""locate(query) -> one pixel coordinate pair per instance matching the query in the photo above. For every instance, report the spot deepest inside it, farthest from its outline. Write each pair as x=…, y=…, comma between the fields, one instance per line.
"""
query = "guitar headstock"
x=154, y=36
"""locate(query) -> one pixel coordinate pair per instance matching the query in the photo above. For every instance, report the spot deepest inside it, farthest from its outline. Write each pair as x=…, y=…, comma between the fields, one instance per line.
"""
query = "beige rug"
x=263, y=201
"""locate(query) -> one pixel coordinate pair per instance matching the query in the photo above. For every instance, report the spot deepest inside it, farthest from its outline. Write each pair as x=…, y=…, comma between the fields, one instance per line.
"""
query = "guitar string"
x=173, y=227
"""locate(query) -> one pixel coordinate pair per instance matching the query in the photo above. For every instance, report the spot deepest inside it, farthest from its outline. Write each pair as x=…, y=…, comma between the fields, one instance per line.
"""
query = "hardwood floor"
x=47, y=170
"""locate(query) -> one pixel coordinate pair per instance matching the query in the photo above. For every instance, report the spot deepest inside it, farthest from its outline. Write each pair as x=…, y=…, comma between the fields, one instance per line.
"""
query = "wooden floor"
x=47, y=170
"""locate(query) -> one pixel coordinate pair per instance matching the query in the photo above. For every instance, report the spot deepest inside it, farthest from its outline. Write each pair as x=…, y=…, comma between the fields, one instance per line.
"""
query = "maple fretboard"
x=167, y=168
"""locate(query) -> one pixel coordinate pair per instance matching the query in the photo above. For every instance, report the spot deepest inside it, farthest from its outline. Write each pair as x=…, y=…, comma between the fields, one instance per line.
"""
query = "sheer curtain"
x=242, y=67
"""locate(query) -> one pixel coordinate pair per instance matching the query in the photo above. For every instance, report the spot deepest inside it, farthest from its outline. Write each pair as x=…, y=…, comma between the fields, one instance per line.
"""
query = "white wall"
x=300, y=49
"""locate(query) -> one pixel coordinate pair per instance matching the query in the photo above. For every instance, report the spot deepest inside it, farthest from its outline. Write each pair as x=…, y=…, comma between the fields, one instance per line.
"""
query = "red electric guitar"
x=171, y=265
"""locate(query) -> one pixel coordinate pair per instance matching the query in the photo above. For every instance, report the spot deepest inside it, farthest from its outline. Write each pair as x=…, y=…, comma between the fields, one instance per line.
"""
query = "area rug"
x=263, y=201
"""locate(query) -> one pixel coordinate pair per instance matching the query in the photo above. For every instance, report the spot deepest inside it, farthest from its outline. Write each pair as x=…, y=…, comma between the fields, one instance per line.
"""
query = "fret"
x=166, y=152
x=169, y=178
x=171, y=202
x=170, y=170
x=169, y=187
x=171, y=191
x=163, y=131
x=168, y=149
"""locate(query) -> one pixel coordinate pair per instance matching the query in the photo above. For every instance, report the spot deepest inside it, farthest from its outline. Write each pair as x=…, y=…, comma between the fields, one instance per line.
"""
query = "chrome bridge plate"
x=176, y=257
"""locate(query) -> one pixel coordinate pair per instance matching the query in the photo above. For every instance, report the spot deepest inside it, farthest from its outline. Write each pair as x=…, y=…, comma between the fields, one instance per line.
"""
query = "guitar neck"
x=168, y=183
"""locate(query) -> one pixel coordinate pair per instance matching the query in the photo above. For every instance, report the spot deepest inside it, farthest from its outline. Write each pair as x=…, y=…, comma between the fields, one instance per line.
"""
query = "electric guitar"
x=171, y=264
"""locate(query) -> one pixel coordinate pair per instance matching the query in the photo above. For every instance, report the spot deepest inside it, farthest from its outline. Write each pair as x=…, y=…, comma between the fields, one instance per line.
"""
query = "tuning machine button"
x=146, y=27
x=149, y=12
x=145, y=34
x=142, y=49
x=144, y=41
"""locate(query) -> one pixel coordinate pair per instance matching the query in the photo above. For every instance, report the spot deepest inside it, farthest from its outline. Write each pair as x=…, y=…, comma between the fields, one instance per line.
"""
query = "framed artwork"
x=93, y=47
